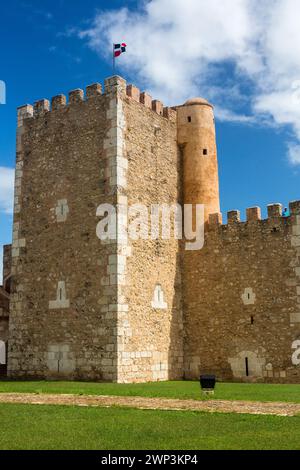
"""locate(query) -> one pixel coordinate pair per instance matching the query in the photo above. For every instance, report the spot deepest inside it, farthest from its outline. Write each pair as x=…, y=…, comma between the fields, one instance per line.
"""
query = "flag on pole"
x=119, y=49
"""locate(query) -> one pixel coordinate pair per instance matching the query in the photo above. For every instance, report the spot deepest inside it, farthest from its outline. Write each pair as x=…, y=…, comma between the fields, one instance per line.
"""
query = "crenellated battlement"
x=253, y=215
x=78, y=96
x=58, y=102
x=145, y=99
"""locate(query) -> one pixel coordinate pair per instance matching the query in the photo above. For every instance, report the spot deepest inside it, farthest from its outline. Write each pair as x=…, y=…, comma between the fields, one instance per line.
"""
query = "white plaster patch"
x=61, y=299
x=15, y=252
x=295, y=240
x=296, y=354
x=19, y=242
x=158, y=299
x=62, y=210
x=59, y=359
x=295, y=317
x=255, y=364
x=248, y=296
x=2, y=353
x=159, y=366
x=296, y=230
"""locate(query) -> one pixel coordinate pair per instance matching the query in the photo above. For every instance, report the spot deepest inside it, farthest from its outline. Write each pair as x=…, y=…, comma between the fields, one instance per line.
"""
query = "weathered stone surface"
x=4, y=308
x=140, y=310
x=154, y=350
x=60, y=190
x=242, y=301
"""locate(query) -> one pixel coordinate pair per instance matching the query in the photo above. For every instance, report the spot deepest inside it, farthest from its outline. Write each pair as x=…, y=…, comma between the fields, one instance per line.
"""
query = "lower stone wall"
x=153, y=350
x=241, y=302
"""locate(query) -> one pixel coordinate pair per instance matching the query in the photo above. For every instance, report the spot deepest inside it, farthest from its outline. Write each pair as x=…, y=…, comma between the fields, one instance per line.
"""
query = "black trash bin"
x=208, y=383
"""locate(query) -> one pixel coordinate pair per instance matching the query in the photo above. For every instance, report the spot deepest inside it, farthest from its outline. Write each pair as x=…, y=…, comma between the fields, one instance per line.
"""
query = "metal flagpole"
x=114, y=59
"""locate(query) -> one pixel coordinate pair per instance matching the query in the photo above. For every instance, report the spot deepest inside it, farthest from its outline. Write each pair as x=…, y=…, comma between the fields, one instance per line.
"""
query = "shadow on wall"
x=176, y=347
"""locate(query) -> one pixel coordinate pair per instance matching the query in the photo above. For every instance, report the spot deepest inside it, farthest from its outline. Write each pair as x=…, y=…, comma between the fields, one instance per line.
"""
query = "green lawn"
x=183, y=390
x=66, y=427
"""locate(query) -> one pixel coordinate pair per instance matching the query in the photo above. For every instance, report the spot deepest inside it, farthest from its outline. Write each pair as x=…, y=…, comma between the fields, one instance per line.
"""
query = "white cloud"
x=7, y=176
x=294, y=153
x=179, y=48
x=172, y=44
x=230, y=116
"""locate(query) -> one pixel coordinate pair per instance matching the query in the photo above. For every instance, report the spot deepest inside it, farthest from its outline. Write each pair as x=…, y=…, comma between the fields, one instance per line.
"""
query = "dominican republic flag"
x=119, y=49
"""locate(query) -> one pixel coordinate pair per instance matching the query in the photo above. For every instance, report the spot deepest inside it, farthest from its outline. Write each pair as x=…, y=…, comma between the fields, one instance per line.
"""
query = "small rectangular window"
x=205, y=152
x=247, y=366
x=189, y=119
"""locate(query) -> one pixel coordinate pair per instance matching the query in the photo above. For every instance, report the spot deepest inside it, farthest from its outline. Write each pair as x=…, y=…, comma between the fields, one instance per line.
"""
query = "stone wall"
x=241, y=299
x=4, y=307
x=4, y=315
x=81, y=307
x=152, y=344
x=6, y=261
x=63, y=320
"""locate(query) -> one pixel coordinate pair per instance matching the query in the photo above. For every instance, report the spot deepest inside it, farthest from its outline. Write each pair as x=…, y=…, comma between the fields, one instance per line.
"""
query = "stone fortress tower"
x=142, y=310
x=197, y=137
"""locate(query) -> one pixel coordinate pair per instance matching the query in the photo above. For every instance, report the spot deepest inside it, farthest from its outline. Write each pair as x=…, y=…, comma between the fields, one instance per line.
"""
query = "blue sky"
x=51, y=47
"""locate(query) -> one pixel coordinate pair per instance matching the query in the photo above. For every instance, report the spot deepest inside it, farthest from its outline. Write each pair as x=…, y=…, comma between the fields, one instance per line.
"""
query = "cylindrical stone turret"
x=197, y=138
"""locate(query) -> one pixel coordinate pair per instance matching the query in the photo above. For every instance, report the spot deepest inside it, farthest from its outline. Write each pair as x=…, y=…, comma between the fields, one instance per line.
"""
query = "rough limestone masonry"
x=74, y=307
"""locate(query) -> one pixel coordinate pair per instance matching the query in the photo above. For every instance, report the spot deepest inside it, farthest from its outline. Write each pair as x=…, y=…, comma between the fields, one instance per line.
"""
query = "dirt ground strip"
x=213, y=406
